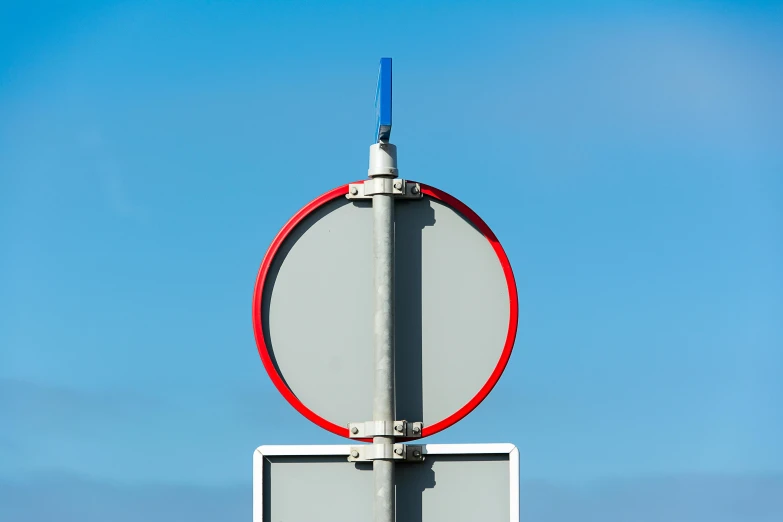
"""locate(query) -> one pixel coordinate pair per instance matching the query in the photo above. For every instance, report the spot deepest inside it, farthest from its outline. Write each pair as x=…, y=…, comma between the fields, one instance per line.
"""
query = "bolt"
x=355, y=454
x=354, y=430
x=354, y=190
x=415, y=189
x=398, y=185
x=416, y=454
x=416, y=429
x=398, y=451
x=398, y=427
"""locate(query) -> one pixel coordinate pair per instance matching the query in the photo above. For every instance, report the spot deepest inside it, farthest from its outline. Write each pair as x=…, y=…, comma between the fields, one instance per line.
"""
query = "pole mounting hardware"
x=397, y=188
x=400, y=428
x=402, y=452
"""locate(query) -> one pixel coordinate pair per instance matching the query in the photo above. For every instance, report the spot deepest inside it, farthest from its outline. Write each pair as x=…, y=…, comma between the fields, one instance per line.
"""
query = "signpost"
x=385, y=311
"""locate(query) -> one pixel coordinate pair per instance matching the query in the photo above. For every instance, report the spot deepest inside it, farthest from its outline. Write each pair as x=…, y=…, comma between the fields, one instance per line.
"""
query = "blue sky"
x=629, y=156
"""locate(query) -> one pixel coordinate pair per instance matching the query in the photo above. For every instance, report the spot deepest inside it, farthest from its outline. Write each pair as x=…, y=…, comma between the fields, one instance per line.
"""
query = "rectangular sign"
x=455, y=482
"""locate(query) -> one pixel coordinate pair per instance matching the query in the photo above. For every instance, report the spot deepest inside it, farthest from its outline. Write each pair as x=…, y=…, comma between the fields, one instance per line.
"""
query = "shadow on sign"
x=410, y=223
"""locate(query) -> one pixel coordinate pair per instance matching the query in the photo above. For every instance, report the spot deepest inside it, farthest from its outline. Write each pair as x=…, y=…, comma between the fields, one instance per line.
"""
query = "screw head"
x=398, y=427
x=416, y=454
x=415, y=189
x=354, y=190
x=398, y=451
x=355, y=454
x=398, y=185
x=416, y=429
x=354, y=430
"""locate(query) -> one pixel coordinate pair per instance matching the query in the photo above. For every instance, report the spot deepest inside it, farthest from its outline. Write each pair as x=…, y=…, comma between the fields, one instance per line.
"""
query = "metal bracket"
x=399, y=188
x=370, y=452
x=369, y=429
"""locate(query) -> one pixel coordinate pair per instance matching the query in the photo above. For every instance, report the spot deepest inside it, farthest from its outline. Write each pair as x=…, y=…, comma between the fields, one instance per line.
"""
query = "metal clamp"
x=370, y=452
x=399, y=188
x=401, y=428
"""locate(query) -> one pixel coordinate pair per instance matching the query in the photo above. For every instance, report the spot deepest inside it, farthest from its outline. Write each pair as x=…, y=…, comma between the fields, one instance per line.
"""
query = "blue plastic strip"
x=383, y=101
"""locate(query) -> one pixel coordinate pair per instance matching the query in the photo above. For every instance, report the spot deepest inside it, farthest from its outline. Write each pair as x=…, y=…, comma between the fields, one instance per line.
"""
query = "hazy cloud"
x=681, y=498
x=71, y=498
x=666, y=499
x=37, y=406
x=104, y=164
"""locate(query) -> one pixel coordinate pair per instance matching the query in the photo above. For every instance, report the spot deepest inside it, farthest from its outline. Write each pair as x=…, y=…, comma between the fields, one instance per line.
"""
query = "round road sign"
x=455, y=310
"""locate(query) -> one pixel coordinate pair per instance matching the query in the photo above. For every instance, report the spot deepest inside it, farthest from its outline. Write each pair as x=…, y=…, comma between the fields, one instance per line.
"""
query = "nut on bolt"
x=415, y=189
x=398, y=427
x=398, y=451
x=416, y=430
x=416, y=454
x=354, y=190
x=355, y=454
x=354, y=430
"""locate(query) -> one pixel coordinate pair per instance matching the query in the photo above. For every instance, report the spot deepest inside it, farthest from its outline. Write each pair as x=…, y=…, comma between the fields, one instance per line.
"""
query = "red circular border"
x=441, y=196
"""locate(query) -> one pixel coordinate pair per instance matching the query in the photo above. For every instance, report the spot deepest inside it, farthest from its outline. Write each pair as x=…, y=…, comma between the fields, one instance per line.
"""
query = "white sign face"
x=455, y=482
x=455, y=311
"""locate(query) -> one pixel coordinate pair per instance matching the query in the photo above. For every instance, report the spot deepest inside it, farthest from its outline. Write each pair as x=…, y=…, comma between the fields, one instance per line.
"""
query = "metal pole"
x=383, y=169
x=383, y=329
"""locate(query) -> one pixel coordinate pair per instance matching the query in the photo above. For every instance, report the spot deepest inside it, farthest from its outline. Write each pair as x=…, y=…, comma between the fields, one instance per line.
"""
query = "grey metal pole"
x=383, y=329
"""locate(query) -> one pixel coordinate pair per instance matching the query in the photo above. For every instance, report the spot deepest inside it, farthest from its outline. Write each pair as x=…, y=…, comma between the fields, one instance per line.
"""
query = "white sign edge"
x=345, y=450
